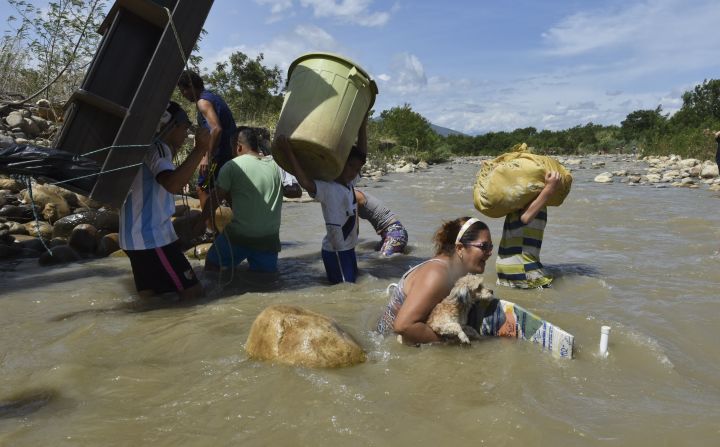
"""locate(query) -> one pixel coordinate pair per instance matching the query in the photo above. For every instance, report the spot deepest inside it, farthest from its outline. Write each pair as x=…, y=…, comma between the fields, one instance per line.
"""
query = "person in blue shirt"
x=214, y=115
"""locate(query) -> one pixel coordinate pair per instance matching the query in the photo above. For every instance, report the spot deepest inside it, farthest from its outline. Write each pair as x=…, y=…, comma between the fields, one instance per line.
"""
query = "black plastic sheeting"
x=50, y=165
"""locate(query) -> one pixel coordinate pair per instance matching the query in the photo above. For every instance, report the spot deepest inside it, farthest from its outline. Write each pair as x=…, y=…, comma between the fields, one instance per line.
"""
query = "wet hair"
x=189, y=78
x=445, y=236
x=246, y=136
x=357, y=154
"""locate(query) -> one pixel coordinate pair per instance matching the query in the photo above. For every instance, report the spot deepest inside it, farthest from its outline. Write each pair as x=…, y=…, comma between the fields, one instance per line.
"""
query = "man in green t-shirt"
x=253, y=183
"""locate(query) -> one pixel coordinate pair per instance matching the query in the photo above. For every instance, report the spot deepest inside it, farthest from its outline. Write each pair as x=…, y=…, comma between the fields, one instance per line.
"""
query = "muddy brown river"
x=85, y=362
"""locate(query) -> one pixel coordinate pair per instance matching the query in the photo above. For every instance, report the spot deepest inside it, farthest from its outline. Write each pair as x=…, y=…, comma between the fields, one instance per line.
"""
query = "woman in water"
x=462, y=246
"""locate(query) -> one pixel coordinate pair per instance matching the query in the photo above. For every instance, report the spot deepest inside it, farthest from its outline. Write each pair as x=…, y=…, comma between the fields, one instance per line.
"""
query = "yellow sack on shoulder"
x=511, y=181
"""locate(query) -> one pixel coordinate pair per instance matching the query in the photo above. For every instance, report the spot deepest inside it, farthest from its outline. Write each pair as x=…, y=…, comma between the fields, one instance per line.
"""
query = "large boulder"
x=605, y=177
x=107, y=219
x=709, y=170
x=108, y=244
x=83, y=239
x=63, y=227
x=295, y=336
x=61, y=254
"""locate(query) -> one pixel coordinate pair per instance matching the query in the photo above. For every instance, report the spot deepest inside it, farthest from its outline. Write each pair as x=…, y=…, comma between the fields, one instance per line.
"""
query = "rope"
x=213, y=190
x=183, y=194
x=34, y=210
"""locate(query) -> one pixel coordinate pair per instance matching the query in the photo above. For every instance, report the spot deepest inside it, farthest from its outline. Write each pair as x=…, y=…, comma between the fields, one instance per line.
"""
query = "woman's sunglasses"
x=484, y=246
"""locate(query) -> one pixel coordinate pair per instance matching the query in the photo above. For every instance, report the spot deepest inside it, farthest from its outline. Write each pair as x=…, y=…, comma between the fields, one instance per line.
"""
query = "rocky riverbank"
x=56, y=226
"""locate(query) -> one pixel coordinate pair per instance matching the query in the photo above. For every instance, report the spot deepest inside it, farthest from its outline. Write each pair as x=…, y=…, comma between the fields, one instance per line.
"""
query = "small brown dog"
x=449, y=318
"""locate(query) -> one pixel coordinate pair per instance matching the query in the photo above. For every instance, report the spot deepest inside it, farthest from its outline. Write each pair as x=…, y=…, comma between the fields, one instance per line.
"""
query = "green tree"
x=700, y=105
x=62, y=39
x=407, y=127
x=251, y=90
x=638, y=125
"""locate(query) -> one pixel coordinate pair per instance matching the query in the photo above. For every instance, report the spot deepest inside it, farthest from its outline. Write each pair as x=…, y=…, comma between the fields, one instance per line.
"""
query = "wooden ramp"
x=127, y=88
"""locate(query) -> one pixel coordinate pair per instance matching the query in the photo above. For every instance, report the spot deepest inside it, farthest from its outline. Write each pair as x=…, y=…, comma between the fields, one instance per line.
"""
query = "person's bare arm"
x=208, y=112
x=428, y=289
x=360, y=197
x=174, y=181
x=552, y=181
x=282, y=146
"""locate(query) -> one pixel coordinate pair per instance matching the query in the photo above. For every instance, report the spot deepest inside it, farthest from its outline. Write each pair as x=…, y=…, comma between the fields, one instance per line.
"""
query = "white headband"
x=464, y=228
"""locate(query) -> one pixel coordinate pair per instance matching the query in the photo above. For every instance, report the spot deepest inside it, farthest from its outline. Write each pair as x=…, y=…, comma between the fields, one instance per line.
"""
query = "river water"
x=91, y=364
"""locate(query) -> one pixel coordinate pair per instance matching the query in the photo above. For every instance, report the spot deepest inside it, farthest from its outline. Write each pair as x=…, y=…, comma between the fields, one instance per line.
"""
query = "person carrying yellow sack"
x=518, y=260
x=519, y=186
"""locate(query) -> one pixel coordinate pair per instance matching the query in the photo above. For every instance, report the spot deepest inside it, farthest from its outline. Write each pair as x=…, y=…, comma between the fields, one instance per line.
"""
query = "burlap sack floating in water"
x=512, y=180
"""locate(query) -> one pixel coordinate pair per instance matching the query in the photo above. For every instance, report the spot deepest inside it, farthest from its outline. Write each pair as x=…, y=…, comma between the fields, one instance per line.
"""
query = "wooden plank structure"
x=127, y=88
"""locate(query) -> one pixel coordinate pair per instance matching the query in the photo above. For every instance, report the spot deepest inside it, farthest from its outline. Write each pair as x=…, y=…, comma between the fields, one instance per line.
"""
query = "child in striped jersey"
x=146, y=230
x=518, y=261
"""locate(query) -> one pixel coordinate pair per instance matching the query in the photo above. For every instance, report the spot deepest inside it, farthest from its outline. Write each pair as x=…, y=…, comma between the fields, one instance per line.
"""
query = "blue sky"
x=479, y=66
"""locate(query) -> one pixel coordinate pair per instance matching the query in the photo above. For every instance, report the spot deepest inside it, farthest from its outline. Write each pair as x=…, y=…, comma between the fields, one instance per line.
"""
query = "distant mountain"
x=444, y=131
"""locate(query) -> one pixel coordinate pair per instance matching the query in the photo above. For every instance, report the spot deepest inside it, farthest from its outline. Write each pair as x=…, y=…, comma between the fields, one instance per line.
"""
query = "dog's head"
x=469, y=290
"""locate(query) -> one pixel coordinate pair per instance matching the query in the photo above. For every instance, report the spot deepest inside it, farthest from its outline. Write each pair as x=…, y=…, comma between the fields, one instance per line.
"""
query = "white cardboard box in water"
x=506, y=319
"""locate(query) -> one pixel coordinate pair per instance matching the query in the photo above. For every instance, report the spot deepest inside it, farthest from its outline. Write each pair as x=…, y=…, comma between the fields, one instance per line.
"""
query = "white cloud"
x=276, y=6
x=348, y=11
x=407, y=75
x=646, y=36
x=284, y=48
x=352, y=11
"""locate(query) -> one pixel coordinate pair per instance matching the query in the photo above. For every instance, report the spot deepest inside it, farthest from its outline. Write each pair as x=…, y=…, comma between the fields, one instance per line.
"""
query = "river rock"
x=605, y=177
x=16, y=228
x=39, y=229
x=108, y=220
x=11, y=184
x=63, y=227
x=70, y=197
x=83, y=238
x=15, y=119
x=43, y=195
x=653, y=178
x=709, y=170
x=295, y=336
x=108, y=245
x=6, y=141
x=689, y=162
x=406, y=169
x=31, y=243
x=118, y=254
x=61, y=254
x=21, y=212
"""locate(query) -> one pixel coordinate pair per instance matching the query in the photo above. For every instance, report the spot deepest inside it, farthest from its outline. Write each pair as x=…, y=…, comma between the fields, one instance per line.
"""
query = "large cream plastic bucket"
x=326, y=100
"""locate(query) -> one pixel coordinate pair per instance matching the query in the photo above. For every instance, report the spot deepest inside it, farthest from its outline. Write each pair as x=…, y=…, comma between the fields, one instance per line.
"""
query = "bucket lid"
x=338, y=58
